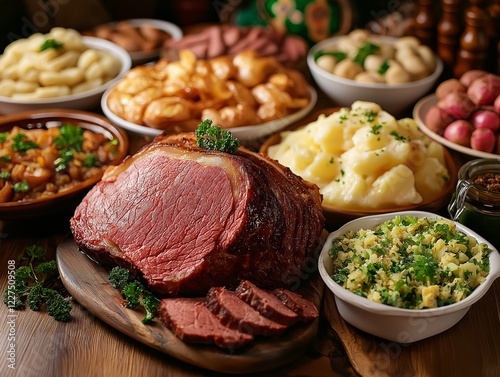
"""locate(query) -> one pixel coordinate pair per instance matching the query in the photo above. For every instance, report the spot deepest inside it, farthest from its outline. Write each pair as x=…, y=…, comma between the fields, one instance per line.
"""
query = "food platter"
x=419, y=112
x=88, y=283
x=243, y=133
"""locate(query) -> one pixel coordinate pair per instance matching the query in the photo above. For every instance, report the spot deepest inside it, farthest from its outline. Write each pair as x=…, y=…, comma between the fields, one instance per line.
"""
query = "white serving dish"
x=391, y=323
x=139, y=57
x=244, y=133
x=88, y=100
x=393, y=98
x=420, y=111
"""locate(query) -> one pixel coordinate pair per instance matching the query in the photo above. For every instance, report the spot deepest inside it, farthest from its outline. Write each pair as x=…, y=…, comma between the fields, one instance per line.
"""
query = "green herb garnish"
x=134, y=292
x=51, y=43
x=212, y=137
x=21, y=143
x=21, y=186
x=384, y=67
x=69, y=141
x=37, y=284
x=338, y=55
x=364, y=51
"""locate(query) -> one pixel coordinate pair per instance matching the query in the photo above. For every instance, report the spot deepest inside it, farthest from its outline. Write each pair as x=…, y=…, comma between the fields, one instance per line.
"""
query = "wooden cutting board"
x=88, y=283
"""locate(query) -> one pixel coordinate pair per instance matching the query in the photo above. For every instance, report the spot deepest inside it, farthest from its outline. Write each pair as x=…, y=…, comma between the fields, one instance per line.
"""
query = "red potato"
x=459, y=131
x=437, y=119
x=496, y=104
x=483, y=139
x=448, y=86
x=484, y=90
x=485, y=118
x=457, y=105
x=469, y=76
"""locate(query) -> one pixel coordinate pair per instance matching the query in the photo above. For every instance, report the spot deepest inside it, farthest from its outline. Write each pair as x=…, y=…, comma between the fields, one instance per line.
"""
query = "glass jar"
x=474, y=205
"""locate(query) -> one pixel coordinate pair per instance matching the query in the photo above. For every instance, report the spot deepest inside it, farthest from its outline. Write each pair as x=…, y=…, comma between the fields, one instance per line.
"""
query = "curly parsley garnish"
x=134, y=292
x=212, y=137
x=37, y=284
x=51, y=43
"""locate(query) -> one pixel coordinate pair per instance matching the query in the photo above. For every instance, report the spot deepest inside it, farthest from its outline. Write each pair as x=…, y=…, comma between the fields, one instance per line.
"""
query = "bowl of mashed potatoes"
x=406, y=276
x=366, y=162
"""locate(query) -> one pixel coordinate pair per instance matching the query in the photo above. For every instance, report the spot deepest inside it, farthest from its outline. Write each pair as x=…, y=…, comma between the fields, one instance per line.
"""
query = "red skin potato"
x=496, y=104
x=457, y=105
x=470, y=76
x=448, y=86
x=486, y=118
x=459, y=132
x=437, y=119
x=484, y=90
x=483, y=139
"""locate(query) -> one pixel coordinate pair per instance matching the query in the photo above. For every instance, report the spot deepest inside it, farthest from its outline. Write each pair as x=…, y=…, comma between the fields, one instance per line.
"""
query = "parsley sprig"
x=212, y=137
x=37, y=284
x=134, y=292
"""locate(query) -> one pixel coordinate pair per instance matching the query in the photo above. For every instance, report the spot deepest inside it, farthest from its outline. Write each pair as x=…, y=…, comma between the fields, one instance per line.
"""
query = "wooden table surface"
x=86, y=346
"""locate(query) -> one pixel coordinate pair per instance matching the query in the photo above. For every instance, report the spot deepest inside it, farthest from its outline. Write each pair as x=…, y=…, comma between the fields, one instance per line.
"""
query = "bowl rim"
x=451, y=166
x=174, y=30
x=94, y=121
x=92, y=42
x=379, y=86
x=239, y=132
x=382, y=309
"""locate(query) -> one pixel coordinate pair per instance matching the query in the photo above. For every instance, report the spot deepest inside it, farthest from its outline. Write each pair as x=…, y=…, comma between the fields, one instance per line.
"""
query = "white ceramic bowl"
x=88, y=100
x=391, y=323
x=139, y=57
x=243, y=133
x=394, y=99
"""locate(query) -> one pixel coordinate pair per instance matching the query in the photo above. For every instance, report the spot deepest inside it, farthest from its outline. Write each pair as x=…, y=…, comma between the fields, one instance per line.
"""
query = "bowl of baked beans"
x=50, y=158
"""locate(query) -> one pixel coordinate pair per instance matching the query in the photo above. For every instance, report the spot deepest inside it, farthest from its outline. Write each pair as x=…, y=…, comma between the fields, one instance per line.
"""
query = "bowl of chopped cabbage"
x=407, y=276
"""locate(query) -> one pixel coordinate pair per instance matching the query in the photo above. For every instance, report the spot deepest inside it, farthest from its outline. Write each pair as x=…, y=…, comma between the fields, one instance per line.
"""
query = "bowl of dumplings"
x=59, y=69
x=394, y=72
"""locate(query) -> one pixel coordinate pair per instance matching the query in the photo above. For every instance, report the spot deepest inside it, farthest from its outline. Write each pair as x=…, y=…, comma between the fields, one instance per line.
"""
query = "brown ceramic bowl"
x=70, y=198
x=336, y=216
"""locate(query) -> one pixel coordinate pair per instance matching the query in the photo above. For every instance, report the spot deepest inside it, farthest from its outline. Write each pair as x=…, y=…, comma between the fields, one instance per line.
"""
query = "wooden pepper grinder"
x=474, y=42
x=449, y=29
x=425, y=23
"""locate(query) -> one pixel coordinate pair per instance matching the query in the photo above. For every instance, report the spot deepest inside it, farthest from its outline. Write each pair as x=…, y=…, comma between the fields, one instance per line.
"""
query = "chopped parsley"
x=398, y=137
x=366, y=49
x=376, y=129
x=338, y=55
x=21, y=143
x=384, y=67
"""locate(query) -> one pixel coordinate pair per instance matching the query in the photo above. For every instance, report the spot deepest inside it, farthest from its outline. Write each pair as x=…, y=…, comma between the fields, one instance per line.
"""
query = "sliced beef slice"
x=237, y=314
x=191, y=321
x=293, y=301
x=266, y=303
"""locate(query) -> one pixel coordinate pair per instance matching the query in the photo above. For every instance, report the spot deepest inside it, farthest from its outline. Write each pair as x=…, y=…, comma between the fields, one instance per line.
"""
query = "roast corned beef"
x=293, y=301
x=191, y=321
x=187, y=219
x=266, y=303
x=236, y=314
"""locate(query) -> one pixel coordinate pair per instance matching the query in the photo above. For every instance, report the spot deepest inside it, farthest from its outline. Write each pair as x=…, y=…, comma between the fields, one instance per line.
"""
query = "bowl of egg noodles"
x=60, y=69
x=406, y=276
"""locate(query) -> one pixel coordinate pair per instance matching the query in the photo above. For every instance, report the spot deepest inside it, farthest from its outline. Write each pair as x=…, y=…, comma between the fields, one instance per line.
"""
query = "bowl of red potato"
x=464, y=114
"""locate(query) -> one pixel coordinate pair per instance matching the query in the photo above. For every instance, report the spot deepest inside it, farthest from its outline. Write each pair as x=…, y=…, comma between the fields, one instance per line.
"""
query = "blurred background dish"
x=86, y=100
x=393, y=323
x=141, y=37
x=419, y=114
x=115, y=146
x=243, y=133
x=337, y=216
x=395, y=98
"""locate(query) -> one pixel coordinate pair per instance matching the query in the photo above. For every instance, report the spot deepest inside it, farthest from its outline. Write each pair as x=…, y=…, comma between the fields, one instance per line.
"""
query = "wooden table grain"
x=86, y=346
